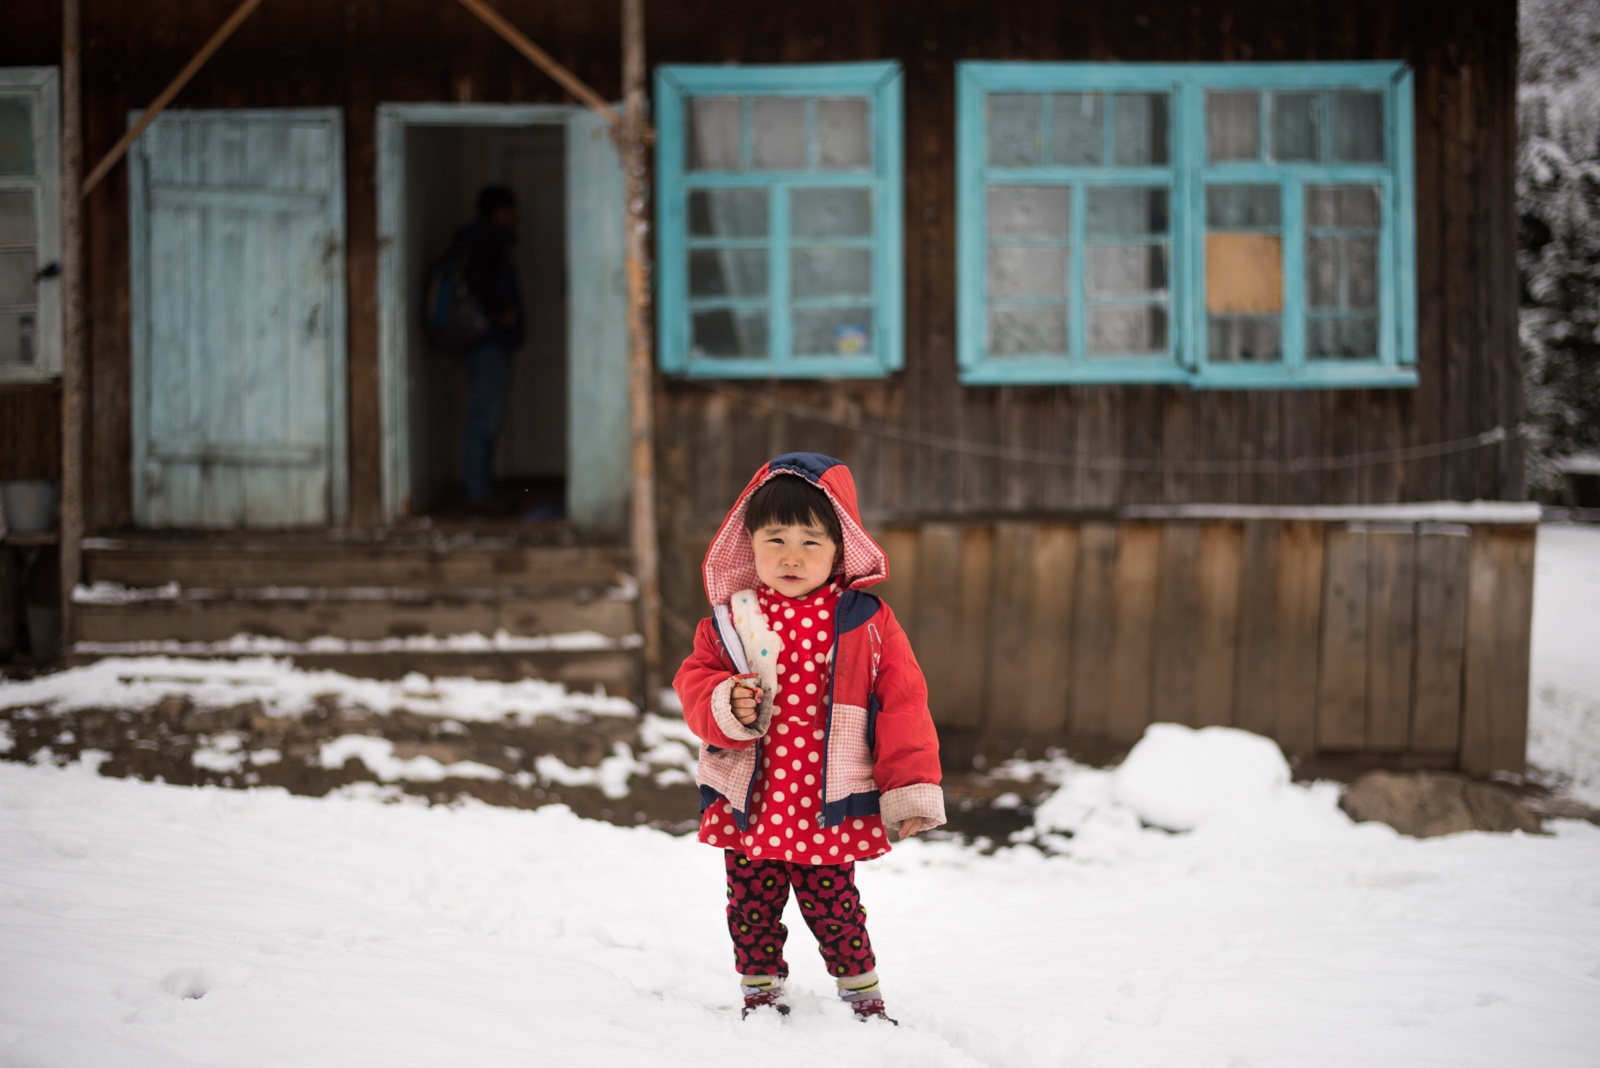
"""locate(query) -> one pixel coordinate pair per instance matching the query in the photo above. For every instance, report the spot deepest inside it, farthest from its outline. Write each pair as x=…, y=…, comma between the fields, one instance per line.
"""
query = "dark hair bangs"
x=787, y=500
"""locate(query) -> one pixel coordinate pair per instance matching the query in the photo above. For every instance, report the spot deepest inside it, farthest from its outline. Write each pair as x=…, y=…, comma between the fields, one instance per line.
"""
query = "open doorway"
x=446, y=166
x=562, y=447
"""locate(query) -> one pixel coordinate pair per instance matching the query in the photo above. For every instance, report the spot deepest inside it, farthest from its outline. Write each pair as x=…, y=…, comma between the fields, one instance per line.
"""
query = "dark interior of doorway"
x=445, y=168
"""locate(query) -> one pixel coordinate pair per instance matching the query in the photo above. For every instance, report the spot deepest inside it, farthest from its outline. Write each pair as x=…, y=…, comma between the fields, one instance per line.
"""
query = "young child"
x=813, y=718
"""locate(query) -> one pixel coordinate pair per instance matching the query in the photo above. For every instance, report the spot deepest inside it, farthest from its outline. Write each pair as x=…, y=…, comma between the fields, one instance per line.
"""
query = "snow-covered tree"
x=1558, y=200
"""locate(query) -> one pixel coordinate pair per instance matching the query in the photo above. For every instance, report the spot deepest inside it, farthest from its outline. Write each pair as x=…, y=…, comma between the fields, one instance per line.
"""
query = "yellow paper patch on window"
x=1244, y=274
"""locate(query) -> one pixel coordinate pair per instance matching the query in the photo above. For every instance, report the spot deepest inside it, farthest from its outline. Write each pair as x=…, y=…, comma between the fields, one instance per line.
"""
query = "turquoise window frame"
x=881, y=84
x=1188, y=173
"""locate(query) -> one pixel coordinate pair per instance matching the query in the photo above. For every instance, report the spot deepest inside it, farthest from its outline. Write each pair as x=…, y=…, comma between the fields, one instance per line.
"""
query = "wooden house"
x=1168, y=342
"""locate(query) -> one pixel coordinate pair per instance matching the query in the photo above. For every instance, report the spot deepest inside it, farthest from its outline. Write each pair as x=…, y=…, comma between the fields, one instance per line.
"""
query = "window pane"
x=1141, y=129
x=1125, y=269
x=1233, y=125
x=844, y=141
x=1118, y=210
x=16, y=135
x=778, y=134
x=1342, y=205
x=830, y=272
x=1296, y=126
x=727, y=273
x=728, y=213
x=1322, y=272
x=713, y=133
x=1360, y=260
x=1028, y=211
x=16, y=278
x=1127, y=328
x=832, y=331
x=1358, y=127
x=1233, y=207
x=1244, y=341
x=1015, y=130
x=1028, y=331
x=1354, y=338
x=1027, y=272
x=17, y=224
x=1077, y=129
x=831, y=213
x=19, y=343
x=723, y=333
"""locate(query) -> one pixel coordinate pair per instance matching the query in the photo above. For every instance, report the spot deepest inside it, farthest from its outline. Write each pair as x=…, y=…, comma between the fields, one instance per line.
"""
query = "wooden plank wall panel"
x=1391, y=637
x=1012, y=596
x=1443, y=569
x=1133, y=610
x=1256, y=688
x=1334, y=639
x=1342, y=663
x=1177, y=632
x=1298, y=610
x=1217, y=622
x=1044, y=688
x=1092, y=629
x=937, y=617
x=970, y=583
x=1499, y=621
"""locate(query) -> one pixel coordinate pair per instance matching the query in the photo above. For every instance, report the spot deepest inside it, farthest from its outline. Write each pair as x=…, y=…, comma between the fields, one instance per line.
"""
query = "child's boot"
x=864, y=997
x=762, y=991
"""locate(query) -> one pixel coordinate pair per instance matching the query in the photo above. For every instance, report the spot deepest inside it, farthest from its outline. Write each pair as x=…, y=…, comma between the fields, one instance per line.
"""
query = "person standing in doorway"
x=492, y=275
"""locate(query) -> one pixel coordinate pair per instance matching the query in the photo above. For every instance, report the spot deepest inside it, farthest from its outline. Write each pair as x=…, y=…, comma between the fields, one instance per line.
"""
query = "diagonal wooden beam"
x=243, y=12
x=541, y=59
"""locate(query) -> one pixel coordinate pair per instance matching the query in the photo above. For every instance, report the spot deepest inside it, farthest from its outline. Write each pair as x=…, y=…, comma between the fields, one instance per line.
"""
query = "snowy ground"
x=144, y=924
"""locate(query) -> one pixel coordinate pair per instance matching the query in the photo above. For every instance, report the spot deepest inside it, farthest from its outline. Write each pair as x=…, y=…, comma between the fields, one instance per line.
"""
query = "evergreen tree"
x=1558, y=199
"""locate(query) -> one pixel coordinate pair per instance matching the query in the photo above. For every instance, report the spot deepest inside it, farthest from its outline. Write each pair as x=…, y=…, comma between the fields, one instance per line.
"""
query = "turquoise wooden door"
x=600, y=468
x=238, y=320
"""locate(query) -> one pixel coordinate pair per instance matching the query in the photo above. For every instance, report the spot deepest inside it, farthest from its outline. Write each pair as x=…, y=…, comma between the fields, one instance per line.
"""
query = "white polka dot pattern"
x=791, y=759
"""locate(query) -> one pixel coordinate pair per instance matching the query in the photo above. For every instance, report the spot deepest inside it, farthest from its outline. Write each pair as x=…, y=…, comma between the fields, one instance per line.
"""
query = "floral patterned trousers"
x=829, y=901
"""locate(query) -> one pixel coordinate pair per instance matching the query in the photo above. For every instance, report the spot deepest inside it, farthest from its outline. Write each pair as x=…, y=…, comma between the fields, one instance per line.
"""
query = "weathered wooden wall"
x=1350, y=643
x=359, y=53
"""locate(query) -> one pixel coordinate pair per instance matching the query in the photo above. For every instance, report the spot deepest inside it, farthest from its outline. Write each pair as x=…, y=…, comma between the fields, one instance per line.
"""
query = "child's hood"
x=731, y=564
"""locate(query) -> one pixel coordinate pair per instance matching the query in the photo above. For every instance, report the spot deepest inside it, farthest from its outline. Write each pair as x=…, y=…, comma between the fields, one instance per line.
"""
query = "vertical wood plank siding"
x=1299, y=630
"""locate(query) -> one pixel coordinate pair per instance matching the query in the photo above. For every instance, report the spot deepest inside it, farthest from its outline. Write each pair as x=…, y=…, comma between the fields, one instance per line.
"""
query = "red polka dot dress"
x=787, y=797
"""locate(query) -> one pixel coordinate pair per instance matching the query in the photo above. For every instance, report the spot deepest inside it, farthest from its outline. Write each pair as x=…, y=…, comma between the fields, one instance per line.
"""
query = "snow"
x=145, y=924
x=285, y=690
x=260, y=644
x=1472, y=512
x=1180, y=778
x=1564, y=705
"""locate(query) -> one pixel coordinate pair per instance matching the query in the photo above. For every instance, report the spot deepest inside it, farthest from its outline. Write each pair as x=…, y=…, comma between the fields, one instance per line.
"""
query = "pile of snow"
x=1179, y=778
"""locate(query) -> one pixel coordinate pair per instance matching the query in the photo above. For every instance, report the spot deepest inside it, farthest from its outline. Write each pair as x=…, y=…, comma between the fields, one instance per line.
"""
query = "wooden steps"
x=487, y=608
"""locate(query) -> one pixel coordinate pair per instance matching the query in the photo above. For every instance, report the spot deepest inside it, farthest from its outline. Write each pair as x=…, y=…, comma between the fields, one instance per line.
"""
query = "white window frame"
x=42, y=86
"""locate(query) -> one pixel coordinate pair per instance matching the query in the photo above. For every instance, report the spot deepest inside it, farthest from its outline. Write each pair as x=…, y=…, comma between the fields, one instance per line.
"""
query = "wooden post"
x=633, y=144
x=72, y=355
x=172, y=90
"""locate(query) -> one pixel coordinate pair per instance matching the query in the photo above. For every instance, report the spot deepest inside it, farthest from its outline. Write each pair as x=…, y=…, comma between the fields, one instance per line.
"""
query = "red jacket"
x=881, y=751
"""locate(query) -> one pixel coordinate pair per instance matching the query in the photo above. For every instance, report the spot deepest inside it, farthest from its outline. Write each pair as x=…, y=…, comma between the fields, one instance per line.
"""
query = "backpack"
x=452, y=316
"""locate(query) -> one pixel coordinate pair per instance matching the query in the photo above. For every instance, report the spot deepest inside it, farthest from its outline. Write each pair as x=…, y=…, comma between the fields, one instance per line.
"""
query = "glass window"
x=1218, y=225
x=779, y=215
x=30, y=238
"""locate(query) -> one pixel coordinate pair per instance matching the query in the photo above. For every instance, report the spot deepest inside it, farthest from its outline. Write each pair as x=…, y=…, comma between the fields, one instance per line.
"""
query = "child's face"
x=794, y=560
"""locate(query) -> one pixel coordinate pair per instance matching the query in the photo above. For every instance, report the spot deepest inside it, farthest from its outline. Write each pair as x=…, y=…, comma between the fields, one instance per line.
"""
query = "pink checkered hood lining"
x=730, y=565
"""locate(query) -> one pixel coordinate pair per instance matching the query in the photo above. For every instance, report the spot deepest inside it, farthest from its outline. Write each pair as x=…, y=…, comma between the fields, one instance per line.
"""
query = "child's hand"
x=746, y=702
x=914, y=825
